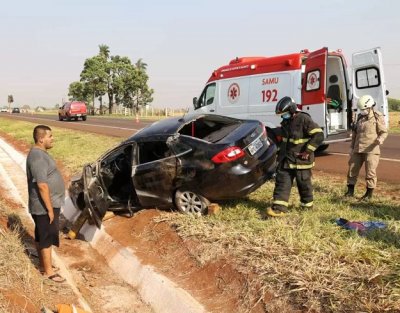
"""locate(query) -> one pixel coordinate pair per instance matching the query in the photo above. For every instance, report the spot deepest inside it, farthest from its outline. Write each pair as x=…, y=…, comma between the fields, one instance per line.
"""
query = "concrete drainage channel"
x=155, y=289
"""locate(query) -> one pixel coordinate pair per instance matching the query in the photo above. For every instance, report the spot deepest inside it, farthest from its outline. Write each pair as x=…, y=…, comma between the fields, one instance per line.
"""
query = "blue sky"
x=45, y=43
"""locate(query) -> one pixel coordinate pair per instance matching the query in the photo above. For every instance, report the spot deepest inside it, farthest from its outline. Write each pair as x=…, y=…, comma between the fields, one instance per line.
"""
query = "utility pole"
x=10, y=100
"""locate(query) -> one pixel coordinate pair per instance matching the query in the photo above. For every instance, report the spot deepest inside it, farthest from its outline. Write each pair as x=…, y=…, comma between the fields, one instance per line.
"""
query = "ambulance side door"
x=314, y=86
x=368, y=79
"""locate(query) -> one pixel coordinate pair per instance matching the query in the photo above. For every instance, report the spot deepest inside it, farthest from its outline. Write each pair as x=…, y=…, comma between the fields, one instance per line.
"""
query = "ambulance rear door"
x=368, y=79
x=314, y=86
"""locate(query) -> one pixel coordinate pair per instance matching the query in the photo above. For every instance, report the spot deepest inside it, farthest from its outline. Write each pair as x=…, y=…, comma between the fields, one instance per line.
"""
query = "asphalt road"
x=334, y=160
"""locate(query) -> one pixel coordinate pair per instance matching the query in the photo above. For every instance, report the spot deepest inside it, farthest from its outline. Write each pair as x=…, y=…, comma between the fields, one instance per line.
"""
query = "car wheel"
x=83, y=118
x=59, y=117
x=322, y=148
x=189, y=202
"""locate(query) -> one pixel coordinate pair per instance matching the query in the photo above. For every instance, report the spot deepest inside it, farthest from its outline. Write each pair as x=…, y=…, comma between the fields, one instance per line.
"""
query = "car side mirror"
x=194, y=101
x=387, y=92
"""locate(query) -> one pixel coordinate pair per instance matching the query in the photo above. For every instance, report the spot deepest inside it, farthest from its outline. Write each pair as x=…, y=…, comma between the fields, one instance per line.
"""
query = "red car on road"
x=72, y=110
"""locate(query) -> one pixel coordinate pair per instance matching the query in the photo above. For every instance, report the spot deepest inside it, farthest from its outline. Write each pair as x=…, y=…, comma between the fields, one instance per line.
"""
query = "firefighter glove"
x=303, y=155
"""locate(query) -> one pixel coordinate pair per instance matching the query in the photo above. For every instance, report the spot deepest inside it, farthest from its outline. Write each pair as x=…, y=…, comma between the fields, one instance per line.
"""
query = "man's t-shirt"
x=41, y=168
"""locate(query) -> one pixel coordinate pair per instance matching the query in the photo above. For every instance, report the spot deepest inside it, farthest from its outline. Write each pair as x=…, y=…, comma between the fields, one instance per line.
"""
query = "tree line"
x=115, y=76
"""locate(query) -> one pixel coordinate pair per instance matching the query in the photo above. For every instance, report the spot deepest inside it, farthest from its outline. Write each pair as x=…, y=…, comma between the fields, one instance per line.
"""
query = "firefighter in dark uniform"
x=301, y=136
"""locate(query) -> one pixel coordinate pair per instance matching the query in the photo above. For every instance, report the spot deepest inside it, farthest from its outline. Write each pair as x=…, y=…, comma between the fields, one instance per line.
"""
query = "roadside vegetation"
x=22, y=288
x=304, y=259
x=116, y=76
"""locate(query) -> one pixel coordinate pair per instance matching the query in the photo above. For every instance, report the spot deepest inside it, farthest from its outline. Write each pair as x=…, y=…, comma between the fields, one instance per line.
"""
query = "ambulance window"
x=207, y=97
x=313, y=80
x=367, y=78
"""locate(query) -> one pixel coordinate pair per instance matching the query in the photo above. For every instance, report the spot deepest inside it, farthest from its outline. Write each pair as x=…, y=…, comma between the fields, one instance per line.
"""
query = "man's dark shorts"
x=46, y=234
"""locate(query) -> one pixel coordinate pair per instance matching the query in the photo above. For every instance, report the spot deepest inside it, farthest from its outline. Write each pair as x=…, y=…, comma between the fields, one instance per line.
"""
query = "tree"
x=121, y=68
x=94, y=78
x=115, y=75
x=77, y=92
x=136, y=91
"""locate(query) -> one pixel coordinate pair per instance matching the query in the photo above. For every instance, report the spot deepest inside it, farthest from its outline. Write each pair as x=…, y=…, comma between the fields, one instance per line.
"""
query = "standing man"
x=301, y=136
x=46, y=196
x=368, y=134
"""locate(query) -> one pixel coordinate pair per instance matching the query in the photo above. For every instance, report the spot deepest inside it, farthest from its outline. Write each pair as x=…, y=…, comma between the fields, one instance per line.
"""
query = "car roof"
x=172, y=125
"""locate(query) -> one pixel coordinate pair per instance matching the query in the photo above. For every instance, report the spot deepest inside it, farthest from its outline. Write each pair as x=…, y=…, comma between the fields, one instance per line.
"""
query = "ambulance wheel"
x=322, y=148
x=189, y=202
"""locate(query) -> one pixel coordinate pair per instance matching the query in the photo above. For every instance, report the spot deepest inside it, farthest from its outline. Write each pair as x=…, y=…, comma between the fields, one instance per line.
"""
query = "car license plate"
x=255, y=146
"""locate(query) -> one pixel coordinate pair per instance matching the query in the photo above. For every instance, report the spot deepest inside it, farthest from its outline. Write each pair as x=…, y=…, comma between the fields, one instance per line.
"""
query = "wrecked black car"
x=184, y=162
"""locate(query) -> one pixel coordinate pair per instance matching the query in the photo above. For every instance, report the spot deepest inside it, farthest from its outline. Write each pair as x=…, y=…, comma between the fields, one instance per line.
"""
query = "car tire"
x=322, y=148
x=59, y=117
x=83, y=118
x=189, y=202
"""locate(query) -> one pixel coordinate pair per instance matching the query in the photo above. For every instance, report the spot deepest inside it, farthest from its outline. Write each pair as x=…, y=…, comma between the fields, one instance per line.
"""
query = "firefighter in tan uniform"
x=369, y=133
x=301, y=136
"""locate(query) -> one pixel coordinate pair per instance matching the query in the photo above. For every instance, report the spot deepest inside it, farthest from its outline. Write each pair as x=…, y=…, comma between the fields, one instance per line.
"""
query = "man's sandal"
x=57, y=278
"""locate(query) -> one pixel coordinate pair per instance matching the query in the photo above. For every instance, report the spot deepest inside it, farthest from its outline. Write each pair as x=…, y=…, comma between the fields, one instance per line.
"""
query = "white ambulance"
x=250, y=87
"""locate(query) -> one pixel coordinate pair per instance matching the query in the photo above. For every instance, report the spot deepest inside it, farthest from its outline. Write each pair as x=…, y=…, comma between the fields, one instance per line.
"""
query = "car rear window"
x=77, y=106
x=209, y=130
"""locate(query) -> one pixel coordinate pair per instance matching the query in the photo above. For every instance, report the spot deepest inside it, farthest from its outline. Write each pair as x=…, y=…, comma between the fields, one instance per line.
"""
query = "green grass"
x=304, y=259
x=394, y=122
x=156, y=116
x=71, y=147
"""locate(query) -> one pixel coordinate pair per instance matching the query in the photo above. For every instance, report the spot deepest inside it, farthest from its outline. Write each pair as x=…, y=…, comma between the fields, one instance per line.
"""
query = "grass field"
x=304, y=258
x=394, y=122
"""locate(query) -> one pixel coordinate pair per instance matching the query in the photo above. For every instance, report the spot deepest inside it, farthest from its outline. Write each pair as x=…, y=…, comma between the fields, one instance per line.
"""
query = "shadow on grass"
x=259, y=206
x=384, y=236
x=379, y=210
x=14, y=223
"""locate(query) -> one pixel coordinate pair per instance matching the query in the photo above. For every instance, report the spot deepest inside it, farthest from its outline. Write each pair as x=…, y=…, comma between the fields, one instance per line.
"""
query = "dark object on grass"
x=360, y=227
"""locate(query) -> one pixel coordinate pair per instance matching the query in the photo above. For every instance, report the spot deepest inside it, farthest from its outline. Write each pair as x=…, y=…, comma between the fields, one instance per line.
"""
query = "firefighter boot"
x=276, y=212
x=350, y=191
x=368, y=194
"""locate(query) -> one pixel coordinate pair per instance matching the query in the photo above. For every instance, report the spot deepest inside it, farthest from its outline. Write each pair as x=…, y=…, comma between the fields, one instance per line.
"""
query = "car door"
x=95, y=195
x=314, y=86
x=368, y=79
x=154, y=171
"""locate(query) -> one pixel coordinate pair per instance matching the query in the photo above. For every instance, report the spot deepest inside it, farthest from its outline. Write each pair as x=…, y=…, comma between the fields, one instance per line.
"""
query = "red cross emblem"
x=233, y=93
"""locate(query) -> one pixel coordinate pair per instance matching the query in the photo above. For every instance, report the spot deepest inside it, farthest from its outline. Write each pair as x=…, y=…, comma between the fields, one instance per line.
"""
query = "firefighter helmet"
x=365, y=102
x=286, y=104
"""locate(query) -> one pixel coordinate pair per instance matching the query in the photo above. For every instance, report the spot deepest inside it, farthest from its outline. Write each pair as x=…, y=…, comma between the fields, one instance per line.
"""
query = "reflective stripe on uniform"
x=301, y=166
x=297, y=141
x=307, y=205
x=312, y=148
x=280, y=202
x=315, y=130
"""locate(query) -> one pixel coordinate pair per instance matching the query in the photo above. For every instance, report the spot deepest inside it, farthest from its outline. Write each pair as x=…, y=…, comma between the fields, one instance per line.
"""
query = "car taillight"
x=228, y=155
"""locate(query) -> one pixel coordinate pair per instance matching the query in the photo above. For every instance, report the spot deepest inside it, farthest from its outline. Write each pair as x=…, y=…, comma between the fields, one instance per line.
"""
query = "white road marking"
x=86, y=124
x=383, y=159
